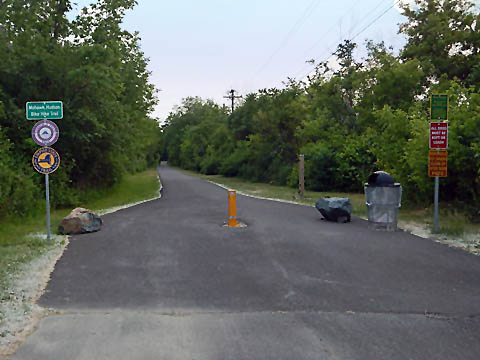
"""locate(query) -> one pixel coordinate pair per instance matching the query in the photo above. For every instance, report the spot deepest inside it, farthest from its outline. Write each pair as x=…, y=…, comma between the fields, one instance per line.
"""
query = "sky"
x=205, y=48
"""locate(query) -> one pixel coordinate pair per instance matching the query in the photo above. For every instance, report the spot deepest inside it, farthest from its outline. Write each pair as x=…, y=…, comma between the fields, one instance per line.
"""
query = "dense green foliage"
x=362, y=116
x=99, y=72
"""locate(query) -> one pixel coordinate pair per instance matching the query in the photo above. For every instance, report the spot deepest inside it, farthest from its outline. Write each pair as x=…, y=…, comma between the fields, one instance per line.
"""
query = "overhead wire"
x=355, y=36
x=336, y=23
x=375, y=20
x=298, y=24
x=333, y=44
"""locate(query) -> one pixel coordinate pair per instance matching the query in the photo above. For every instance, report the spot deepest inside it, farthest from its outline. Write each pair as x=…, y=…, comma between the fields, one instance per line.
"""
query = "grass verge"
x=24, y=240
x=132, y=189
x=284, y=193
x=455, y=228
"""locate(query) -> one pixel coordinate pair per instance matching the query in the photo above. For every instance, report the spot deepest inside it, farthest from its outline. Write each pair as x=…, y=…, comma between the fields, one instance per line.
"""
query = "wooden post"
x=301, y=176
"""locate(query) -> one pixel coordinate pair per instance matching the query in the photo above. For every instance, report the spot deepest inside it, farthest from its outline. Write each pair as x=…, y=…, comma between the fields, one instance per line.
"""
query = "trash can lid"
x=381, y=178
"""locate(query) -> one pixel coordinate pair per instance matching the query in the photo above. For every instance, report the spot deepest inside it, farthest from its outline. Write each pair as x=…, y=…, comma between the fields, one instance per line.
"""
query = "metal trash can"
x=383, y=198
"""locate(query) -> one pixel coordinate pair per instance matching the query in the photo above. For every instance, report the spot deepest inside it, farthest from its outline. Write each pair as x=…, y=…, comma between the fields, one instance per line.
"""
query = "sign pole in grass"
x=437, y=168
x=47, y=195
x=45, y=133
x=437, y=163
x=46, y=160
x=436, y=218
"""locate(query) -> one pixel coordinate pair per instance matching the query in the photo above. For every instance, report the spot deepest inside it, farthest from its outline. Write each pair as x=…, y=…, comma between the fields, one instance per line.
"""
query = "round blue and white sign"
x=45, y=133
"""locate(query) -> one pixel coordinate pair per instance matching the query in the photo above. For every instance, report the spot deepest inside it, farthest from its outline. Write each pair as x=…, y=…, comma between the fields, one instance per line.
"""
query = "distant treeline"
x=364, y=115
x=99, y=72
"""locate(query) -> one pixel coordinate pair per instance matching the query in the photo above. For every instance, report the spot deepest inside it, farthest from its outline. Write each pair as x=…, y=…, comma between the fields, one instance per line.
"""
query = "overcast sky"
x=204, y=48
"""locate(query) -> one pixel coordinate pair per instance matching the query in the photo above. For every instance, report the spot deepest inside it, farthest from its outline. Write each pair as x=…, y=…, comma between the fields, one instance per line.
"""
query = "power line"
x=375, y=20
x=305, y=15
x=360, y=32
x=340, y=19
x=329, y=48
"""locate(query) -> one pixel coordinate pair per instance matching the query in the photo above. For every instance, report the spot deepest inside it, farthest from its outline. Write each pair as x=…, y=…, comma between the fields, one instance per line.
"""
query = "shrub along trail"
x=165, y=279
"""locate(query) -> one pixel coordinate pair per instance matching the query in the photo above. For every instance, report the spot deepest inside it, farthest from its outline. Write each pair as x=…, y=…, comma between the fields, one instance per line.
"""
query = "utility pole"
x=232, y=97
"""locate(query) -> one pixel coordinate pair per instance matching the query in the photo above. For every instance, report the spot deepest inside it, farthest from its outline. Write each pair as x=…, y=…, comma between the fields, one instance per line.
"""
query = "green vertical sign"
x=439, y=107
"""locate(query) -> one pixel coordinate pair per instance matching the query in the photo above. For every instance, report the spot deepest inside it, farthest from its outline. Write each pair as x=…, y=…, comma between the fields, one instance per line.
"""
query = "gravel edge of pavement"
x=23, y=313
x=469, y=243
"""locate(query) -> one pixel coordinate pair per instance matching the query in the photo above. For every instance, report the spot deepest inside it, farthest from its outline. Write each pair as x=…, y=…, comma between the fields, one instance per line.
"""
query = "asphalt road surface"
x=166, y=280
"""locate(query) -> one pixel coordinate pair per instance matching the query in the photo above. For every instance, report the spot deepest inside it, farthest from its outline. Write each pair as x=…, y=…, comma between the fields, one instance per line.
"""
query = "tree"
x=366, y=115
x=99, y=72
x=444, y=36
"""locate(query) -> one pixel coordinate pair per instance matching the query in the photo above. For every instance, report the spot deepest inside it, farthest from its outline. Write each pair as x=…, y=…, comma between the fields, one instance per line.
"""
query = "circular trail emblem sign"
x=46, y=160
x=45, y=133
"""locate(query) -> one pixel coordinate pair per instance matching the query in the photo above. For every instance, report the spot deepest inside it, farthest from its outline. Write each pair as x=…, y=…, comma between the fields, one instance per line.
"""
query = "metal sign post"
x=437, y=168
x=46, y=160
x=438, y=158
x=436, y=217
x=45, y=133
x=47, y=192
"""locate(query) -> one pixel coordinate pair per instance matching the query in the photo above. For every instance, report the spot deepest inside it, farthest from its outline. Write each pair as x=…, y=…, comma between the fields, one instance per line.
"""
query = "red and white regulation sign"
x=439, y=135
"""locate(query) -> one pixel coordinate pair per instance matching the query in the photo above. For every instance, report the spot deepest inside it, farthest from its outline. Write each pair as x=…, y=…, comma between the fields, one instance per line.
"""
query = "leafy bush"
x=236, y=161
x=18, y=191
x=99, y=72
x=320, y=167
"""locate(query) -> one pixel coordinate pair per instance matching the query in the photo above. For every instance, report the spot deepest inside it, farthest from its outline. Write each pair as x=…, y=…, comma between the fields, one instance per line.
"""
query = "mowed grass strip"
x=23, y=239
x=453, y=222
x=282, y=192
x=132, y=189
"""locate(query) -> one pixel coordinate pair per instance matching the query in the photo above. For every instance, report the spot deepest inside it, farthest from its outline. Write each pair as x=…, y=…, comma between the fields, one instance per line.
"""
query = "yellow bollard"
x=232, y=208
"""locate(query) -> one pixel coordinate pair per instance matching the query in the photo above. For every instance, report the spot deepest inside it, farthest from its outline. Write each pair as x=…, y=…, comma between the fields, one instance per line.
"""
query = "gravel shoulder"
x=20, y=310
x=469, y=242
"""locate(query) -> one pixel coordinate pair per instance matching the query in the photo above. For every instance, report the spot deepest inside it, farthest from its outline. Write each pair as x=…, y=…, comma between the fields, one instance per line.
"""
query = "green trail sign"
x=39, y=110
x=439, y=107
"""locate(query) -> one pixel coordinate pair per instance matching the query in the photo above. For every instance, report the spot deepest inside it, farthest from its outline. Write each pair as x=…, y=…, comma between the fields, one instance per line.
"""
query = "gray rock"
x=335, y=209
x=80, y=221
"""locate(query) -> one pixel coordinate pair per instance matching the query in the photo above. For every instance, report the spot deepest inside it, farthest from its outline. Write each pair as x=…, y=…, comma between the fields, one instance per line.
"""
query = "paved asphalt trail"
x=165, y=280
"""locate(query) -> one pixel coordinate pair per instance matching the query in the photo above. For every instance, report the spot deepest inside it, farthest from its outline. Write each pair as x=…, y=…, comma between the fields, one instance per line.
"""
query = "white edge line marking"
x=259, y=197
x=126, y=206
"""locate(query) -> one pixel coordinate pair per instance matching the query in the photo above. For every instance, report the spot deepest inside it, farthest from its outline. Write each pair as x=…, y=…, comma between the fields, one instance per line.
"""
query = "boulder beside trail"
x=80, y=221
x=335, y=209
